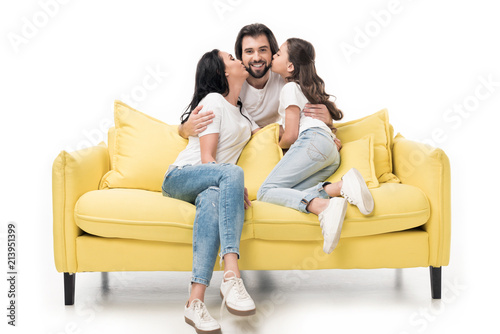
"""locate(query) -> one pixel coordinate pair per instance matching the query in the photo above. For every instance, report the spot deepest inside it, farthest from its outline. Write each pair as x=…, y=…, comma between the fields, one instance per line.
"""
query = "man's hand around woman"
x=196, y=123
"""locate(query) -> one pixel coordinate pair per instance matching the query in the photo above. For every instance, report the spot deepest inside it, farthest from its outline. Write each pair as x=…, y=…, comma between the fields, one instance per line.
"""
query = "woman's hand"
x=247, y=201
x=319, y=111
x=282, y=131
x=196, y=123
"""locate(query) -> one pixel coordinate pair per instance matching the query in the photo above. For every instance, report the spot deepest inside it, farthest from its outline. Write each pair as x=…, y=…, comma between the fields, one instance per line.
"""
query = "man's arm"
x=319, y=111
x=196, y=123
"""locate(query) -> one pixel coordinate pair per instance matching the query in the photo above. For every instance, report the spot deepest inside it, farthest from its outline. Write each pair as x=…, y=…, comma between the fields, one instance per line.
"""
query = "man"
x=255, y=46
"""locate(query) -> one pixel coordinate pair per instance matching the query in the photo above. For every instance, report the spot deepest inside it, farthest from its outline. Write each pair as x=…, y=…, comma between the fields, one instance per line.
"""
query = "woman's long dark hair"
x=301, y=54
x=210, y=78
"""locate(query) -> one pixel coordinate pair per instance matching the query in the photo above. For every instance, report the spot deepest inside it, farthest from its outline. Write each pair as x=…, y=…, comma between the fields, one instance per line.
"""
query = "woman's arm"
x=208, y=147
x=292, y=122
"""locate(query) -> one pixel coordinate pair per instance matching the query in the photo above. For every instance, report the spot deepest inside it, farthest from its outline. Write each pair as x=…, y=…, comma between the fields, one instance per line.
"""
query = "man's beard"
x=261, y=74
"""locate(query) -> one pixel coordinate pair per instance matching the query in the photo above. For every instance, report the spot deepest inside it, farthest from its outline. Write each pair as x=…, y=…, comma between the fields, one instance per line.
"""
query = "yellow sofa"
x=109, y=213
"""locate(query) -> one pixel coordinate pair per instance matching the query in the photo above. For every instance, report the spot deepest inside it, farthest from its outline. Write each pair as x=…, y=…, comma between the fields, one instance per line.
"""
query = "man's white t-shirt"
x=234, y=132
x=262, y=104
x=291, y=95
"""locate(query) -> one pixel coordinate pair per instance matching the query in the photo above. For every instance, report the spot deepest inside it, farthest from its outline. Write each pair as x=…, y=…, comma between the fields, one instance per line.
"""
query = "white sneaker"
x=331, y=220
x=235, y=296
x=197, y=316
x=355, y=191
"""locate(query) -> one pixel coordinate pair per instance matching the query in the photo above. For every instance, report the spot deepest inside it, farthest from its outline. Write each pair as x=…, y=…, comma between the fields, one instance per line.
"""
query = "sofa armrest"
x=73, y=174
x=428, y=168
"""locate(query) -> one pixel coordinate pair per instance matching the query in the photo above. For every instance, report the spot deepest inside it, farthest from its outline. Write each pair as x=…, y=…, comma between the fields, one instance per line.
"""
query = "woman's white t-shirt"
x=291, y=95
x=234, y=132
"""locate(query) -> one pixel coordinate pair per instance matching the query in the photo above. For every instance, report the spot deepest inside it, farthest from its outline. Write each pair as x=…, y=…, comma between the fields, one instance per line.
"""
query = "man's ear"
x=290, y=68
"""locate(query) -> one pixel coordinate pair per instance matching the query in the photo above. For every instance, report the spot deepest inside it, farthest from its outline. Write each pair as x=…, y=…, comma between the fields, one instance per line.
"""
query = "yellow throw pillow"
x=259, y=157
x=378, y=125
x=143, y=149
x=357, y=154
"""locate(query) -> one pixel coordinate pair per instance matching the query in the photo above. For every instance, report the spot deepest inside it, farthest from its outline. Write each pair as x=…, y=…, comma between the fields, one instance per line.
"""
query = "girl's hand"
x=338, y=143
x=319, y=111
x=247, y=201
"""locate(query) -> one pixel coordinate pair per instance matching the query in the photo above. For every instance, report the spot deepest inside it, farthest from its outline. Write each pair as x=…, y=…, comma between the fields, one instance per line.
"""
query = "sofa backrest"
x=141, y=148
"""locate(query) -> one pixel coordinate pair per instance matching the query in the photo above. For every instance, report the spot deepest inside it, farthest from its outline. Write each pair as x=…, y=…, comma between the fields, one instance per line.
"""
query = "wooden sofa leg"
x=69, y=288
x=435, y=282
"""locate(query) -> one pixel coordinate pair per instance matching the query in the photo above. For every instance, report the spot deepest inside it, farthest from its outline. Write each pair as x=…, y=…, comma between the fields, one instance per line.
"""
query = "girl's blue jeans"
x=217, y=190
x=301, y=173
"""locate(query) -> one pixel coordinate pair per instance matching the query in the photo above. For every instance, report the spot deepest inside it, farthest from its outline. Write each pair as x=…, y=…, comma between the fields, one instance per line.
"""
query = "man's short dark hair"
x=254, y=30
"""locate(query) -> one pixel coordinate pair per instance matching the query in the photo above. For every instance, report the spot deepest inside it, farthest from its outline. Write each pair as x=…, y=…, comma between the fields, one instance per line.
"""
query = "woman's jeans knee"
x=217, y=190
x=299, y=176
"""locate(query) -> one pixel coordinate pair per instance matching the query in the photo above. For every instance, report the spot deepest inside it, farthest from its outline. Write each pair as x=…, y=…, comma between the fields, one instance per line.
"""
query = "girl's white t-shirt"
x=234, y=132
x=291, y=95
x=262, y=104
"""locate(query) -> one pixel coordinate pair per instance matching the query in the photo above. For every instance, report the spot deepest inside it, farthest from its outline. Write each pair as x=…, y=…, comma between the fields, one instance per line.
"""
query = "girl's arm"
x=208, y=147
x=292, y=121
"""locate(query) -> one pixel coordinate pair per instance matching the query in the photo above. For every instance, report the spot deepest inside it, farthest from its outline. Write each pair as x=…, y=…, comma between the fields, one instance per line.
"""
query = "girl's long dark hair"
x=301, y=54
x=210, y=78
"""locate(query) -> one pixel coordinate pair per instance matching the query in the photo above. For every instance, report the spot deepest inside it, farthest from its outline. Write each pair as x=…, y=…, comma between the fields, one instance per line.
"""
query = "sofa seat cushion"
x=398, y=207
x=137, y=214
x=147, y=215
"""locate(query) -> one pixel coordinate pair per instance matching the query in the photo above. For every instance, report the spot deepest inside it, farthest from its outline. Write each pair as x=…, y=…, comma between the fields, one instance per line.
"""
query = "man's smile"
x=257, y=65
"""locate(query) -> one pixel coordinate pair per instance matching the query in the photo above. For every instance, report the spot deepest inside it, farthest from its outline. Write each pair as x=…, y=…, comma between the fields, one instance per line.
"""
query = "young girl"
x=205, y=174
x=297, y=181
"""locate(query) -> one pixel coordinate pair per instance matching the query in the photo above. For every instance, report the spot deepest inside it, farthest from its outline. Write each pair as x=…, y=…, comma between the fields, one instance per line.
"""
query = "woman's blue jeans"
x=217, y=190
x=301, y=173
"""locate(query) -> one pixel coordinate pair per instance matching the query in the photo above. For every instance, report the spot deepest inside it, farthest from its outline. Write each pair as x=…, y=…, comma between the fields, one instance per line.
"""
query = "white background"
x=63, y=64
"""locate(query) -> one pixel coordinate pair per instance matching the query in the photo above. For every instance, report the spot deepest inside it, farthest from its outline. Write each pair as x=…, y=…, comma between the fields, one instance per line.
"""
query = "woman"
x=205, y=174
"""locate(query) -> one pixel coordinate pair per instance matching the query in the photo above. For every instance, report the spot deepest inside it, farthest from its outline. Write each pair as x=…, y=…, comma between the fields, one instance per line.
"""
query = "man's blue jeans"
x=217, y=190
x=299, y=177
